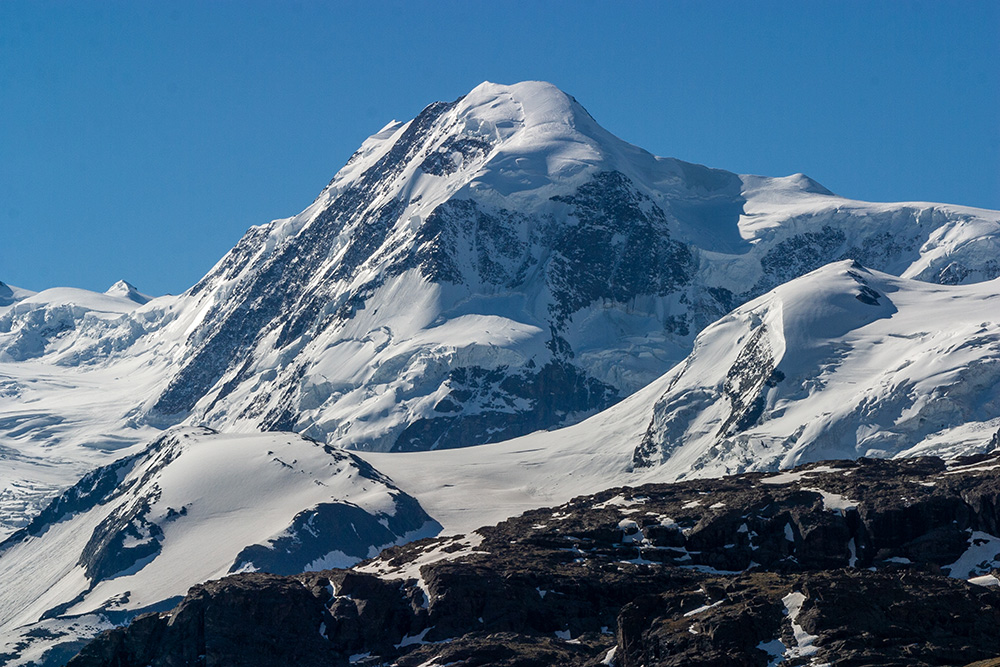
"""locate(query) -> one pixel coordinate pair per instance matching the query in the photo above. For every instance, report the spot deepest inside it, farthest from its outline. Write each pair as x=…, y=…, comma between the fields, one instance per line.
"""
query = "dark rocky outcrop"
x=842, y=563
x=492, y=405
x=6, y=295
x=619, y=249
x=250, y=619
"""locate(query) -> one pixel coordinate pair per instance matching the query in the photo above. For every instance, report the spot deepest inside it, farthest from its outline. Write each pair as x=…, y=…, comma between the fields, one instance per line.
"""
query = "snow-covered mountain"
x=839, y=364
x=829, y=350
x=498, y=270
x=498, y=265
x=502, y=264
x=196, y=505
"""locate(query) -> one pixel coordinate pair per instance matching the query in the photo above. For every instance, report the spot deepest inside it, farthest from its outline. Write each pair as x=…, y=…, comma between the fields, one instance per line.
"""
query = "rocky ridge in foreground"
x=869, y=562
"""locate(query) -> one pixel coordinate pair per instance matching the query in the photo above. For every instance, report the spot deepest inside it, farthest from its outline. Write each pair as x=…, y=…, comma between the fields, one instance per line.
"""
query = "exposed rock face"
x=847, y=563
x=210, y=627
x=504, y=404
x=745, y=382
x=850, y=617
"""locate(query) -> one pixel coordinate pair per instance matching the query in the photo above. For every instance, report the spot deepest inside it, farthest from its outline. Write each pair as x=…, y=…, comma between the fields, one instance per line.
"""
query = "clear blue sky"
x=139, y=140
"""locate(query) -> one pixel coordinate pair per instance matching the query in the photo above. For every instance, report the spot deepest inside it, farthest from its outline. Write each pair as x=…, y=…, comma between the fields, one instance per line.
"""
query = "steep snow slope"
x=842, y=363
x=434, y=228
x=193, y=506
x=502, y=264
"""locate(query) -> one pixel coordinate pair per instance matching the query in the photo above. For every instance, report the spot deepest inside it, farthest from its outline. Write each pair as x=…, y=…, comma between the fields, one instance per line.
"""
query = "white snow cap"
x=128, y=291
x=10, y=294
x=543, y=130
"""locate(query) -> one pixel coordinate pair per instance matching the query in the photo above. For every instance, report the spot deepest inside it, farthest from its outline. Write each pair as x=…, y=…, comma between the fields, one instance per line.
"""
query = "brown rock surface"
x=841, y=563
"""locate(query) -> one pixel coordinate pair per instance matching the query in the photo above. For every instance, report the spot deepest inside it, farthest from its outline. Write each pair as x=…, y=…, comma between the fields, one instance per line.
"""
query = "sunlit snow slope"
x=498, y=265
x=193, y=506
x=841, y=363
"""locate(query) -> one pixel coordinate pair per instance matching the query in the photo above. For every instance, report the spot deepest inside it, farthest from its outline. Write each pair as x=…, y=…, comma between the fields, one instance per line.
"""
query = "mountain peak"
x=535, y=117
x=525, y=247
x=10, y=294
x=128, y=291
x=539, y=101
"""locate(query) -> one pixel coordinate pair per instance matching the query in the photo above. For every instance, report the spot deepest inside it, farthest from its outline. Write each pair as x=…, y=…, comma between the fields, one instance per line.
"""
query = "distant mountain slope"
x=69, y=376
x=129, y=291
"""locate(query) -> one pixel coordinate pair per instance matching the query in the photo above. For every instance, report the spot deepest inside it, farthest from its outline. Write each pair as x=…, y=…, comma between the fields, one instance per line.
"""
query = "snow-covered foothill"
x=196, y=505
